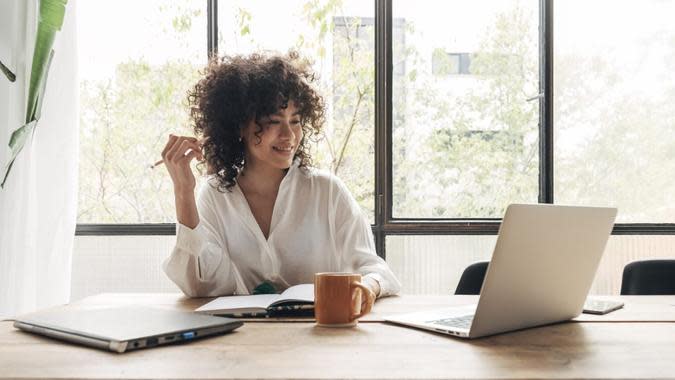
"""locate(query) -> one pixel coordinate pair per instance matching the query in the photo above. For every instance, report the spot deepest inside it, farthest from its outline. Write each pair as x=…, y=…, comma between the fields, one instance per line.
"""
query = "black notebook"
x=297, y=300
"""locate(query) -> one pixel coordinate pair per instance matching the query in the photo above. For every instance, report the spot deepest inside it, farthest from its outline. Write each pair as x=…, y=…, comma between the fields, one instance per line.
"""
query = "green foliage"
x=182, y=15
x=8, y=73
x=442, y=60
x=124, y=127
x=125, y=121
x=243, y=20
x=347, y=145
x=470, y=155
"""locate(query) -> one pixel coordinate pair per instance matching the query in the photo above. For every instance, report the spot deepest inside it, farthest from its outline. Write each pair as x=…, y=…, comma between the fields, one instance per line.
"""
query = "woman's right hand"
x=177, y=155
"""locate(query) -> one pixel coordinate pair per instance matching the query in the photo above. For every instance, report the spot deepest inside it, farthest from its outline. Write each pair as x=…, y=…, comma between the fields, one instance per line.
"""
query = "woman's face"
x=278, y=141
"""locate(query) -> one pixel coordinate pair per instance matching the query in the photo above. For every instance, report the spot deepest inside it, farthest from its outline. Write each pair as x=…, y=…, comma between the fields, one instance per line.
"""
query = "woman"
x=264, y=217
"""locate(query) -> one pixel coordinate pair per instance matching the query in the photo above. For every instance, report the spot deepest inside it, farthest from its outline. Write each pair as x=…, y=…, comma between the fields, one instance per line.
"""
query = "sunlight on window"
x=614, y=107
x=465, y=138
x=136, y=62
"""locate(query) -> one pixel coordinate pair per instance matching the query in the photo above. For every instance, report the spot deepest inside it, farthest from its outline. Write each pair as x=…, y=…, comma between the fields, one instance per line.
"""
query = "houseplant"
x=50, y=21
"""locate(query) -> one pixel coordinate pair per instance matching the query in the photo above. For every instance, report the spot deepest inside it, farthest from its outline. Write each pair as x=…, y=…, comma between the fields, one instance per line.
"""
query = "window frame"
x=385, y=223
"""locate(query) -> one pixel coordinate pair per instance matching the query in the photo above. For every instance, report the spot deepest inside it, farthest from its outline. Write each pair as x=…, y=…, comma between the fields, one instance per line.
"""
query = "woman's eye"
x=295, y=121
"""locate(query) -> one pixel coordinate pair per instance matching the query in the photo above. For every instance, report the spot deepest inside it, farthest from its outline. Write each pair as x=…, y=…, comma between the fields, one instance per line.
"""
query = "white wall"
x=104, y=264
x=425, y=264
x=433, y=264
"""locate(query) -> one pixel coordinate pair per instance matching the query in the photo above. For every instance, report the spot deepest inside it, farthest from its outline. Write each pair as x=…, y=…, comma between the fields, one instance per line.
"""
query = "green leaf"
x=52, y=13
x=19, y=135
x=16, y=144
x=41, y=94
x=8, y=73
x=324, y=29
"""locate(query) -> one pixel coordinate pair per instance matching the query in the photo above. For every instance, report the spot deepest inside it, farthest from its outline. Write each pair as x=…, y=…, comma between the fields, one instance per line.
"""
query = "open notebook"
x=296, y=300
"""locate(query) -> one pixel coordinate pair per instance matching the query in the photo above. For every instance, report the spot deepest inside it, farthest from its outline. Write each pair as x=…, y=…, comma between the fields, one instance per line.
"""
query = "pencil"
x=156, y=164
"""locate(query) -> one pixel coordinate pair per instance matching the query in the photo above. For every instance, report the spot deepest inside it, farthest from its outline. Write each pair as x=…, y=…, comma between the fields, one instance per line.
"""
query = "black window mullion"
x=546, y=101
x=212, y=28
x=383, y=112
x=146, y=229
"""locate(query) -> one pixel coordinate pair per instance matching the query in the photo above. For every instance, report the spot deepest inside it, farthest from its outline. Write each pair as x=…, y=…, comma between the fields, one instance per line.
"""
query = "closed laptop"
x=124, y=328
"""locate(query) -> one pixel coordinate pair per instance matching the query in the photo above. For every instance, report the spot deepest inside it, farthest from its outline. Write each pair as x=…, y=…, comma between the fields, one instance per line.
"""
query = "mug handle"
x=358, y=285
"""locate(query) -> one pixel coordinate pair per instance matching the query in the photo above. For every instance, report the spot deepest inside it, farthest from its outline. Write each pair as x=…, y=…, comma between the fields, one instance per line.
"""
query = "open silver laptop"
x=541, y=270
x=122, y=329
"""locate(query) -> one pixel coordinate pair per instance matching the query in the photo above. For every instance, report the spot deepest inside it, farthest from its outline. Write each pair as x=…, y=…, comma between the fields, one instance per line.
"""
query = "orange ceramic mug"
x=337, y=299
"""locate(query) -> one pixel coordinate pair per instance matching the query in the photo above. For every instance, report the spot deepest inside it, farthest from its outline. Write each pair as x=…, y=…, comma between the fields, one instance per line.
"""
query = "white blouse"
x=316, y=226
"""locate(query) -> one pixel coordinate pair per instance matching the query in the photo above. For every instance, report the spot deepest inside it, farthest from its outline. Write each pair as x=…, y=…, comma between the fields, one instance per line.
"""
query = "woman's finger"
x=173, y=139
x=182, y=148
x=174, y=148
x=195, y=147
x=367, y=301
x=179, y=151
x=366, y=306
x=188, y=157
x=169, y=144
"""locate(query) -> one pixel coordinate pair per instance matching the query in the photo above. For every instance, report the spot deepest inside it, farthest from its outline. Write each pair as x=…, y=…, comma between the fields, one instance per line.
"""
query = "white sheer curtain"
x=39, y=202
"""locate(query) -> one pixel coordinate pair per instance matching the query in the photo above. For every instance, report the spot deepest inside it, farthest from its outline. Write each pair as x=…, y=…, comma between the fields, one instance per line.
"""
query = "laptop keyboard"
x=463, y=322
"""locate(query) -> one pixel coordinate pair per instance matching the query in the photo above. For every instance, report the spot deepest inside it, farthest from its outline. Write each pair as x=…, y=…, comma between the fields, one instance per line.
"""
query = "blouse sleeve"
x=199, y=263
x=354, y=239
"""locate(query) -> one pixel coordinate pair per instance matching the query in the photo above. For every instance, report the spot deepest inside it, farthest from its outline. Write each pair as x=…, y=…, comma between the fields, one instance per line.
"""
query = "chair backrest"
x=472, y=278
x=649, y=277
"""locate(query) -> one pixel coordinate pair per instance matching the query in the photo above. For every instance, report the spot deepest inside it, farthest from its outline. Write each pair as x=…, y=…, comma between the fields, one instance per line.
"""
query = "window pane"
x=338, y=38
x=614, y=107
x=434, y=264
x=137, y=59
x=465, y=136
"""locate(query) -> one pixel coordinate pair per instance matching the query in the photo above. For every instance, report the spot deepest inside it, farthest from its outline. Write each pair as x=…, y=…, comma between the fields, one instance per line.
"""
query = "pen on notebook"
x=159, y=162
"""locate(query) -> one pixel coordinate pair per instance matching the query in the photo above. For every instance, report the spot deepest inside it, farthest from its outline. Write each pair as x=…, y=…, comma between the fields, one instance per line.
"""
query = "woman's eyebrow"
x=280, y=114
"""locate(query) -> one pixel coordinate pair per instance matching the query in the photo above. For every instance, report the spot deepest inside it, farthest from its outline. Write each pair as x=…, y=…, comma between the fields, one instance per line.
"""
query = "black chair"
x=649, y=277
x=472, y=278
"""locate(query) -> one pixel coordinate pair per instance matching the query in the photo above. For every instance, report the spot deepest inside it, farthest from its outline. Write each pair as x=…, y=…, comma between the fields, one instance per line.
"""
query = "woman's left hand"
x=367, y=300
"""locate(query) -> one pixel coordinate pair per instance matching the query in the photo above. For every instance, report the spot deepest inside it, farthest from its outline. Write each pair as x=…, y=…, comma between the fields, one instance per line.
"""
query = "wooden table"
x=637, y=308
x=638, y=344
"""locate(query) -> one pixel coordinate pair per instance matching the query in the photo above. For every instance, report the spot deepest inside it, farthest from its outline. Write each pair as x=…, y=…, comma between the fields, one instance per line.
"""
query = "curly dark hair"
x=237, y=89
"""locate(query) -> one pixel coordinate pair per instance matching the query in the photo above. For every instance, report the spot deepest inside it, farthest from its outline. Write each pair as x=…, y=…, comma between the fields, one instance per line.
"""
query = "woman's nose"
x=286, y=130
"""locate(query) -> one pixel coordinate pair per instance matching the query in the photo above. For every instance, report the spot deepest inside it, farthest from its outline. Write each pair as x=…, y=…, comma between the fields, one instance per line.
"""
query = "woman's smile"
x=285, y=150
